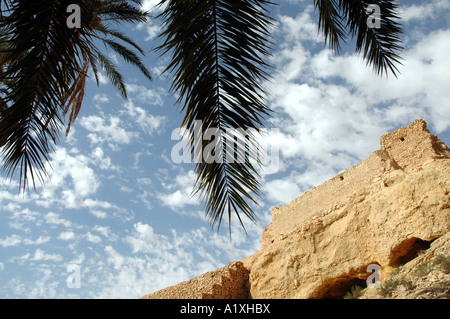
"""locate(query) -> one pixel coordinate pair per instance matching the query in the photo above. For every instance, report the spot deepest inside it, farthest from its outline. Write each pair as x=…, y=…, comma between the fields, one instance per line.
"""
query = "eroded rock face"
x=229, y=282
x=379, y=224
x=381, y=211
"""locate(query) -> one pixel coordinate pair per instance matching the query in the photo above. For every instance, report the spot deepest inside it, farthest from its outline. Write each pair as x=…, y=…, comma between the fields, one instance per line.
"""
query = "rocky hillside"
x=385, y=221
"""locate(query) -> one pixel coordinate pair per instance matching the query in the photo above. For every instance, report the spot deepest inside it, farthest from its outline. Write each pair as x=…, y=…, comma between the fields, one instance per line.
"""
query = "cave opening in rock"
x=341, y=287
x=408, y=250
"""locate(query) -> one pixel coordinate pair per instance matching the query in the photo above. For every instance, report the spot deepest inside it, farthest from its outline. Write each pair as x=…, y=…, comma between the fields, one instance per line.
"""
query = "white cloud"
x=301, y=28
x=102, y=78
x=153, y=30
x=98, y=213
x=101, y=98
x=92, y=203
x=421, y=87
x=145, y=240
x=102, y=161
x=149, y=123
x=158, y=261
x=93, y=238
x=40, y=240
x=70, y=180
x=40, y=255
x=67, y=235
x=327, y=126
x=424, y=11
x=12, y=240
x=23, y=219
x=54, y=219
x=146, y=95
x=180, y=192
x=103, y=132
x=282, y=191
x=152, y=5
x=104, y=230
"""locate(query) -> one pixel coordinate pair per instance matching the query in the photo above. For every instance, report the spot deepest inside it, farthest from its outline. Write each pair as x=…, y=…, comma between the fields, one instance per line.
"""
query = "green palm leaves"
x=218, y=63
x=44, y=66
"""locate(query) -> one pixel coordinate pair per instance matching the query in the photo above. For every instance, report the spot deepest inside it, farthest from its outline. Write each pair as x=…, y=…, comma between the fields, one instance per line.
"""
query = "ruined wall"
x=229, y=282
x=407, y=148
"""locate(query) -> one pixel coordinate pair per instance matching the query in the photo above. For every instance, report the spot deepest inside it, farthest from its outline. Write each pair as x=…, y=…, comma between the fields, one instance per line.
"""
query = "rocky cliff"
x=391, y=212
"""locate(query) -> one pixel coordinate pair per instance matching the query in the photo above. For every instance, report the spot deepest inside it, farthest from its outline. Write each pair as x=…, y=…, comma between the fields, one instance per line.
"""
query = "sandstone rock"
x=229, y=282
x=382, y=211
x=425, y=277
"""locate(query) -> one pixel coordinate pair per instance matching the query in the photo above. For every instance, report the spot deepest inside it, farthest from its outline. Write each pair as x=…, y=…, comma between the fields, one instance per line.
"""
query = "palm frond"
x=380, y=46
x=219, y=49
x=35, y=79
x=44, y=66
x=75, y=95
x=330, y=22
x=121, y=11
x=128, y=55
x=107, y=31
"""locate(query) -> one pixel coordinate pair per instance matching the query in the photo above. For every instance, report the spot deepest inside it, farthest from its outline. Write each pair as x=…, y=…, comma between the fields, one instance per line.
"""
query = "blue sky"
x=116, y=205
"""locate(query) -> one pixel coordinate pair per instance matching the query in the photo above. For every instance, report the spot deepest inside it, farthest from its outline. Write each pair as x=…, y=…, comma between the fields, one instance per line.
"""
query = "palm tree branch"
x=34, y=76
x=380, y=46
x=330, y=23
x=218, y=64
x=44, y=66
x=128, y=55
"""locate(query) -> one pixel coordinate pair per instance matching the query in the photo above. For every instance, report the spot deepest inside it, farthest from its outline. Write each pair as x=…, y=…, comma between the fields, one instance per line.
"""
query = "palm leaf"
x=380, y=46
x=219, y=49
x=35, y=80
x=44, y=66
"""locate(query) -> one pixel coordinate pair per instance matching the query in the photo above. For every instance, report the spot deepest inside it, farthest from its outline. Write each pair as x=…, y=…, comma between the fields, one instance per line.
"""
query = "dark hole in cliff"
x=341, y=177
x=408, y=250
x=342, y=286
x=402, y=139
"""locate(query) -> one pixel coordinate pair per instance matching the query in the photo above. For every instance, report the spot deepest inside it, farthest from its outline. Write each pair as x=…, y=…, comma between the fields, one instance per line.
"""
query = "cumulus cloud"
x=101, y=98
x=102, y=161
x=71, y=180
x=67, y=235
x=147, y=122
x=420, y=89
x=144, y=235
x=104, y=230
x=424, y=11
x=146, y=95
x=40, y=255
x=54, y=219
x=282, y=191
x=179, y=192
x=93, y=238
x=106, y=131
x=9, y=241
